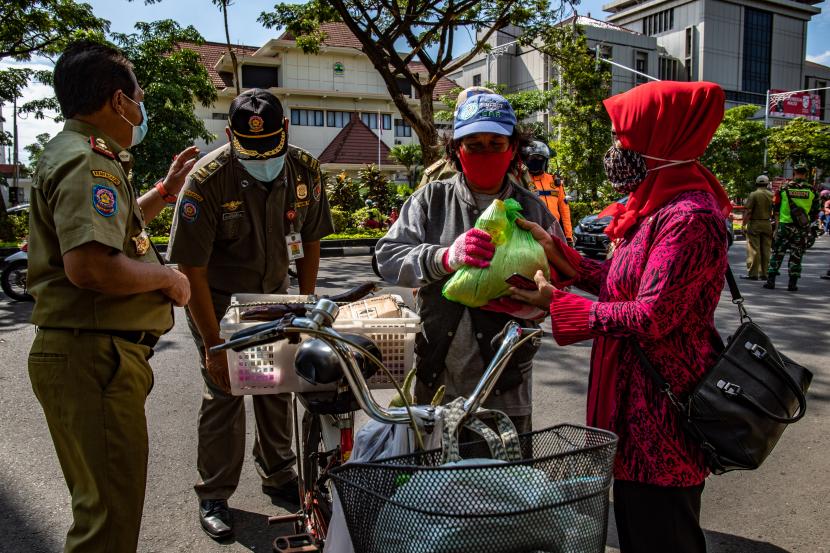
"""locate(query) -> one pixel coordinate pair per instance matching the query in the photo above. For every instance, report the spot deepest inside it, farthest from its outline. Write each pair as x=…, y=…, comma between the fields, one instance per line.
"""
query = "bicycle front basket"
x=555, y=500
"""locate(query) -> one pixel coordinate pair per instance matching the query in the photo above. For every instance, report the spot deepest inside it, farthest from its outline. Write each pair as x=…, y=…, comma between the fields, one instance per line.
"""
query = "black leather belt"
x=135, y=336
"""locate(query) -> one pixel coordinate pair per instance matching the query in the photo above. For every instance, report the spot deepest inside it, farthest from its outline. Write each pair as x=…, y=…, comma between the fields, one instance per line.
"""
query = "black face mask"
x=536, y=165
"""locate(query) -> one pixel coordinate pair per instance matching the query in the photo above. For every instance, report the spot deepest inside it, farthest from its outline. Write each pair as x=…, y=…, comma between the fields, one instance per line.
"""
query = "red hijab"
x=673, y=121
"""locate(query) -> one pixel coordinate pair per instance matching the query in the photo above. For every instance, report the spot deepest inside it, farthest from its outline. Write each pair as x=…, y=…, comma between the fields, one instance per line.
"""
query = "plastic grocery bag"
x=516, y=252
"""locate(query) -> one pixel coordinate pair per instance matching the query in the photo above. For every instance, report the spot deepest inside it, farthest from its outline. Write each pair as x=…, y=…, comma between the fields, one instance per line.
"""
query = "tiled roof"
x=340, y=36
x=356, y=144
x=210, y=52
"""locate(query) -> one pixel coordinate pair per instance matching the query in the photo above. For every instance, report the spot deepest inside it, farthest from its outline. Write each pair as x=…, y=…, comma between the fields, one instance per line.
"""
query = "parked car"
x=590, y=237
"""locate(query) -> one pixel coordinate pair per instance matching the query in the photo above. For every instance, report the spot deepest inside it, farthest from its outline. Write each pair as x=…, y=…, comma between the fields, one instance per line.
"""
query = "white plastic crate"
x=269, y=369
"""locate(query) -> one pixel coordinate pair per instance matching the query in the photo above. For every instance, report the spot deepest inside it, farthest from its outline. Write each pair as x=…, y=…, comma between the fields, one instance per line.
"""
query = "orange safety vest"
x=553, y=197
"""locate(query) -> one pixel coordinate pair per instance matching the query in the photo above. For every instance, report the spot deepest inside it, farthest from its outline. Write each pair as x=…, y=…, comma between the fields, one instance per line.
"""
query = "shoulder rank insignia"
x=106, y=175
x=434, y=167
x=99, y=145
x=305, y=158
x=142, y=243
x=202, y=173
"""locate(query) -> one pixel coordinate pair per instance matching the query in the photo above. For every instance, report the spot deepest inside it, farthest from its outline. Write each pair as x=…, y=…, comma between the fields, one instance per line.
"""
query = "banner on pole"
x=789, y=105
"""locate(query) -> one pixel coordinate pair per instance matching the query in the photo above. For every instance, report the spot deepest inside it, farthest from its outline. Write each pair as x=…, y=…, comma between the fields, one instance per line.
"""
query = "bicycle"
x=318, y=465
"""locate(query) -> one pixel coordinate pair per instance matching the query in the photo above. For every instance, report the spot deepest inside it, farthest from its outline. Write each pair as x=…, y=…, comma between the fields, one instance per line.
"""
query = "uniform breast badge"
x=142, y=243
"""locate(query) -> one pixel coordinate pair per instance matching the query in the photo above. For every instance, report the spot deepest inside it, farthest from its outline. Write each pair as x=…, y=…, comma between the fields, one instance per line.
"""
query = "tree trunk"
x=236, y=76
x=425, y=128
x=16, y=166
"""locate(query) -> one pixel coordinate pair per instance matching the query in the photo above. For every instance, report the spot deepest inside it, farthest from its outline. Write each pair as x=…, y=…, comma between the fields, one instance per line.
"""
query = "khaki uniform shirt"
x=758, y=206
x=81, y=193
x=236, y=226
x=444, y=169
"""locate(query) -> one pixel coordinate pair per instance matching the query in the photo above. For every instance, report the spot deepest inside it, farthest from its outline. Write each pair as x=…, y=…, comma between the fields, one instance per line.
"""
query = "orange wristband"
x=167, y=197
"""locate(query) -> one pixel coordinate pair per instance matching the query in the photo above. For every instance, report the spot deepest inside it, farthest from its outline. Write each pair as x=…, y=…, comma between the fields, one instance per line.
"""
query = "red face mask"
x=486, y=170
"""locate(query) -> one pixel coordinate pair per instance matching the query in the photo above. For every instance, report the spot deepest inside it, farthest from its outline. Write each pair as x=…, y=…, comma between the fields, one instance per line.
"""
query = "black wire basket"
x=554, y=500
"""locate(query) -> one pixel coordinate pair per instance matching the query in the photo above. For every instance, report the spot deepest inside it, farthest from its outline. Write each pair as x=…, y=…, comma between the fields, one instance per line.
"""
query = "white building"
x=746, y=46
x=322, y=94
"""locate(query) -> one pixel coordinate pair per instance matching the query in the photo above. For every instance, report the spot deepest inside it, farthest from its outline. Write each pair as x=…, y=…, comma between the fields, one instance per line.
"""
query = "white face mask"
x=140, y=130
x=264, y=170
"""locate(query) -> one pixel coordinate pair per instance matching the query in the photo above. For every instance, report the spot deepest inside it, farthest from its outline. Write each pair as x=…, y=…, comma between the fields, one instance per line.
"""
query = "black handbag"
x=741, y=406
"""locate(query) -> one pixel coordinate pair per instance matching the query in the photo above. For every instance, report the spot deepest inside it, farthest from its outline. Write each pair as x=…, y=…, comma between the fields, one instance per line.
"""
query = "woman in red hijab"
x=659, y=290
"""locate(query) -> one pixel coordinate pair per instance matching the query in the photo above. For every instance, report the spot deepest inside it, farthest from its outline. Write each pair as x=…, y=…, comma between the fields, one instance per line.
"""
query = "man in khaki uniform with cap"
x=445, y=168
x=247, y=209
x=758, y=229
x=102, y=294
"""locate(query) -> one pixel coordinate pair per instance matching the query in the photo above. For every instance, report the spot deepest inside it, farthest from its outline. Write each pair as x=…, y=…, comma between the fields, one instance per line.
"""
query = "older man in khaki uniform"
x=102, y=294
x=245, y=208
x=758, y=229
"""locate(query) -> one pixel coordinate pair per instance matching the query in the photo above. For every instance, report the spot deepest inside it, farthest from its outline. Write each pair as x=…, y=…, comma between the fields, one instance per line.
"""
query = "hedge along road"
x=781, y=507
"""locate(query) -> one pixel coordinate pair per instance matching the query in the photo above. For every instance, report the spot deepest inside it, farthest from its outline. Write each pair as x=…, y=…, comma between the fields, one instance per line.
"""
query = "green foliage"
x=582, y=209
x=342, y=219
x=14, y=227
x=35, y=149
x=171, y=78
x=360, y=216
x=583, y=128
x=736, y=153
x=395, y=33
x=32, y=27
x=159, y=226
x=801, y=141
x=410, y=156
x=377, y=188
x=354, y=234
x=343, y=193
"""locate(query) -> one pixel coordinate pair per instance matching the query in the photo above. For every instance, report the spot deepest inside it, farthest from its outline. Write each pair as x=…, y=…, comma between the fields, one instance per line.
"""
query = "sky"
x=244, y=29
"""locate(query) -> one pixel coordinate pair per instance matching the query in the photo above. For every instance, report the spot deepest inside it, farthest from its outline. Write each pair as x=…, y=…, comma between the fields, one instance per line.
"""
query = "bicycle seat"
x=317, y=363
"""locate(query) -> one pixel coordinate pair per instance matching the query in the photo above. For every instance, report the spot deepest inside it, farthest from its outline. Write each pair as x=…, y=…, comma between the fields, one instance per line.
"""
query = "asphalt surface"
x=782, y=507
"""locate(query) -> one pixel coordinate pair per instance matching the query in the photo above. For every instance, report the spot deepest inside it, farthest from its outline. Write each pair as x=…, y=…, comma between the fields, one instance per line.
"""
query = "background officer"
x=549, y=188
x=758, y=229
x=102, y=294
x=245, y=208
x=797, y=206
x=444, y=168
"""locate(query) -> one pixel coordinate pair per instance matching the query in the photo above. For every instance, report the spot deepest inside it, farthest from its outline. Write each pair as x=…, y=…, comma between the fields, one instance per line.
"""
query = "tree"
x=736, y=153
x=583, y=129
x=395, y=33
x=377, y=188
x=801, y=141
x=408, y=155
x=343, y=193
x=173, y=79
x=35, y=149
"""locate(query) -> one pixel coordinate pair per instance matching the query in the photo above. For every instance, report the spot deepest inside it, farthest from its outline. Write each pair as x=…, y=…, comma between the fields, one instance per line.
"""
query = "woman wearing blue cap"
x=434, y=237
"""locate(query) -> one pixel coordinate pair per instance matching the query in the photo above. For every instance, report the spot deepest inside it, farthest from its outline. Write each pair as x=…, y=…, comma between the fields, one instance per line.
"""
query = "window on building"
x=477, y=79
x=606, y=51
x=259, y=76
x=387, y=121
x=641, y=65
x=370, y=120
x=338, y=119
x=219, y=116
x=307, y=117
x=660, y=22
x=668, y=69
x=757, y=50
x=402, y=128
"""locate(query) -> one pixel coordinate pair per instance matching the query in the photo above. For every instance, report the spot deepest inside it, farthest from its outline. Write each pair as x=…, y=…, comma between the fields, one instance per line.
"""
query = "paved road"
x=783, y=507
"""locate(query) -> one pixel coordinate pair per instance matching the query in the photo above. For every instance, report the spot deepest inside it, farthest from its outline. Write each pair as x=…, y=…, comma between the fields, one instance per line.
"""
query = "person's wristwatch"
x=165, y=195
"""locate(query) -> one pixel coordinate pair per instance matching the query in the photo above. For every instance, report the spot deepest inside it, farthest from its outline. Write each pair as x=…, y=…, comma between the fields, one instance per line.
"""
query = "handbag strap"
x=737, y=298
x=503, y=446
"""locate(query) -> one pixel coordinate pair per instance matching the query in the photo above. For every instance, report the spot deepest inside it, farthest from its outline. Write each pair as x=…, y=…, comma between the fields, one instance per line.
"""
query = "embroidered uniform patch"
x=104, y=200
x=105, y=175
x=316, y=191
x=189, y=210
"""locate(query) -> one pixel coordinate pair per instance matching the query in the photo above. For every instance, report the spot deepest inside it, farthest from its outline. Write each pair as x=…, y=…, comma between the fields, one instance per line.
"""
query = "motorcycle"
x=13, y=277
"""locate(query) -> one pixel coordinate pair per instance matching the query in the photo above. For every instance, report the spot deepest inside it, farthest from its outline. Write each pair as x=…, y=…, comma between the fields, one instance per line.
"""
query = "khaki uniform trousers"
x=221, y=431
x=758, y=247
x=92, y=388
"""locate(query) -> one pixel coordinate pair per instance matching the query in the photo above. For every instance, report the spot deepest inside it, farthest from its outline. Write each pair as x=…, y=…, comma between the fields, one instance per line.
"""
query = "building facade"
x=746, y=46
x=322, y=94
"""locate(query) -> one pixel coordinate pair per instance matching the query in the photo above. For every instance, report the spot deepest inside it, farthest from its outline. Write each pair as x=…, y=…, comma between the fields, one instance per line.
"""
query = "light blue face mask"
x=264, y=170
x=140, y=130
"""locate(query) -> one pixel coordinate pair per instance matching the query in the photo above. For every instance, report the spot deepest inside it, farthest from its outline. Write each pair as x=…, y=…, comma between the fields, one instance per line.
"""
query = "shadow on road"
x=14, y=313
x=251, y=530
x=20, y=529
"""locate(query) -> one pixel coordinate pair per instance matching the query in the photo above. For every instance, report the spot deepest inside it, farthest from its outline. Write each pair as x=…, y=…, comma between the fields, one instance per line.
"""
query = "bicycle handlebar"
x=319, y=324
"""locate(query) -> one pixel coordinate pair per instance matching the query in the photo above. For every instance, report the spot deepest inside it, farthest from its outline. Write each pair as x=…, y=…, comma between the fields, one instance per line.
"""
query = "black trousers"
x=657, y=519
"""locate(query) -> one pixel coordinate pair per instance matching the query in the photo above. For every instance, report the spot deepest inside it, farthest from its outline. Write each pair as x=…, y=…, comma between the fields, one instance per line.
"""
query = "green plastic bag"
x=516, y=252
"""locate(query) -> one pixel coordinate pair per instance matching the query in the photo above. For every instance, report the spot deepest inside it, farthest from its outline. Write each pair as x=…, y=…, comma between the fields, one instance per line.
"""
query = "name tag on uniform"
x=294, y=243
x=232, y=215
x=543, y=192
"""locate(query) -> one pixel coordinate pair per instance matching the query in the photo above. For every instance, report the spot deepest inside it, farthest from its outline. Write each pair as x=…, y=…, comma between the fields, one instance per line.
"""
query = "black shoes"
x=216, y=518
x=747, y=277
x=791, y=285
x=826, y=276
x=770, y=283
x=286, y=495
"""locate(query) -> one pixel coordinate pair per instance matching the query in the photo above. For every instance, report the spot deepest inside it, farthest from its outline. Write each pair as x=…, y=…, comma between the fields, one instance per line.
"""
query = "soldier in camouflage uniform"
x=797, y=206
